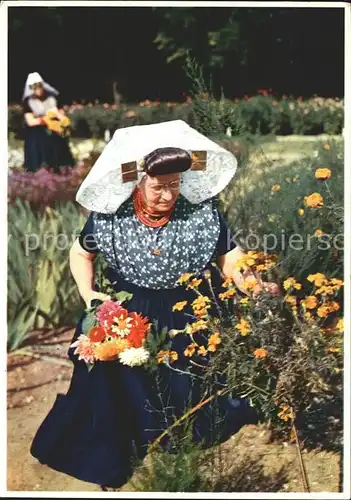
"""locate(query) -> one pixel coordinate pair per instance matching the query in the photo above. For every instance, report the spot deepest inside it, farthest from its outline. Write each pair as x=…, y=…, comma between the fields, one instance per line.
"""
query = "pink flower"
x=107, y=309
x=84, y=349
x=106, y=106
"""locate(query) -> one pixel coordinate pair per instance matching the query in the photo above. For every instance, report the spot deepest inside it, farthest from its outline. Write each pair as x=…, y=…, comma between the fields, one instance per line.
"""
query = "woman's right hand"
x=93, y=295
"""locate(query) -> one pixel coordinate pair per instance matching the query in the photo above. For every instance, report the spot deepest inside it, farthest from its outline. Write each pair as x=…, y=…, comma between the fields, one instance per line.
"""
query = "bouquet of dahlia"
x=112, y=333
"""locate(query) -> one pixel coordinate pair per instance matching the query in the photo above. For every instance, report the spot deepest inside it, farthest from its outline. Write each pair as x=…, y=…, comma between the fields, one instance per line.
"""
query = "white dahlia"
x=134, y=356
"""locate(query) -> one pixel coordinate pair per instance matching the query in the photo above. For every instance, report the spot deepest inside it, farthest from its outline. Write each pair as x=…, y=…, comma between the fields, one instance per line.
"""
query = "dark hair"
x=168, y=160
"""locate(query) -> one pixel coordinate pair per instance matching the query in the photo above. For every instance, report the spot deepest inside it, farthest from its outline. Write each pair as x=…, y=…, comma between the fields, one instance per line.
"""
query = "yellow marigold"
x=300, y=211
x=336, y=282
x=194, y=283
x=163, y=355
x=227, y=282
x=200, y=302
x=260, y=353
x=244, y=301
x=291, y=283
x=323, y=311
x=340, y=325
x=227, y=294
x=108, y=351
x=243, y=326
x=334, y=349
x=285, y=413
x=179, y=306
x=327, y=308
x=310, y=302
x=261, y=267
x=201, y=313
x=197, y=326
x=318, y=279
x=213, y=341
x=326, y=147
x=323, y=174
x=190, y=350
x=249, y=284
x=314, y=200
x=291, y=300
x=184, y=277
x=318, y=233
x=276, y=187
x=325, y=290
x=202, y=351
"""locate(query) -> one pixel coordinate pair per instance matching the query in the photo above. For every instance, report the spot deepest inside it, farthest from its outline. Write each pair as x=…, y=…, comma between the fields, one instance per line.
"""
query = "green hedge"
x=255, y=115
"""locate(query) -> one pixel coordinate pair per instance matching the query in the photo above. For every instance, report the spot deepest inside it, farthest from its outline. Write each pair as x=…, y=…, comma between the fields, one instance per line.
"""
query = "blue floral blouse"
x=156, y=257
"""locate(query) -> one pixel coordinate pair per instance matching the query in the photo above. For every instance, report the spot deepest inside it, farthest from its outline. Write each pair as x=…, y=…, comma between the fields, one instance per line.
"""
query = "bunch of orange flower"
x=55, y=122
x=116, y=335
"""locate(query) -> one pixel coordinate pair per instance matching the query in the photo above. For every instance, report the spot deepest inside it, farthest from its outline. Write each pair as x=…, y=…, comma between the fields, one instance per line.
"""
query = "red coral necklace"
x=145, y=215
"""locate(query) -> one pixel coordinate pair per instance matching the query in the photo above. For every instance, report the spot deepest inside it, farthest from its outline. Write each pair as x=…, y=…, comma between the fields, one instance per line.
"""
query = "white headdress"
x=36, y=78
x=119, y=168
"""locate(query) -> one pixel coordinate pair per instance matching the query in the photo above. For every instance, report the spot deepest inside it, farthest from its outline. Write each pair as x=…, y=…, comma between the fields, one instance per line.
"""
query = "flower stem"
x=299, y=454
x=190, y=412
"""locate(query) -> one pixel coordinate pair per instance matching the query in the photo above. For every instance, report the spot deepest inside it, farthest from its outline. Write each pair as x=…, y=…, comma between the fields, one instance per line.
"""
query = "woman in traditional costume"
x=43, y=147
x=153, y=218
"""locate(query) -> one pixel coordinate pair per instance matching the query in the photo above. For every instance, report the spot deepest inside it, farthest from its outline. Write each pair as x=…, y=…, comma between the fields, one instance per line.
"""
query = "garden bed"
x=255, y=462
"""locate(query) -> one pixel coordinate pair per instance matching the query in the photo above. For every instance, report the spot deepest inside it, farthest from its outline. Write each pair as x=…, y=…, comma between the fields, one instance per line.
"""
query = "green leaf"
x=89, y=321
x=123, y=296
x=89, y=366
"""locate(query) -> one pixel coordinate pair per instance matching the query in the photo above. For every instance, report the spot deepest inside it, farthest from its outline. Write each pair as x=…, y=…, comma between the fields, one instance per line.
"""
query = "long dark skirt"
x=110, y=414
x=42, y=148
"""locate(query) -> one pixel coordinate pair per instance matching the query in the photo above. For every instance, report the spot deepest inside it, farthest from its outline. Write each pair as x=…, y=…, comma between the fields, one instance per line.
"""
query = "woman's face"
x=38, y=89
x=160, y=192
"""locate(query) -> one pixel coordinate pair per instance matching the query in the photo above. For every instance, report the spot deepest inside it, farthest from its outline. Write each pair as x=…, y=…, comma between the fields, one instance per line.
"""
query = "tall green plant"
x=41, y=290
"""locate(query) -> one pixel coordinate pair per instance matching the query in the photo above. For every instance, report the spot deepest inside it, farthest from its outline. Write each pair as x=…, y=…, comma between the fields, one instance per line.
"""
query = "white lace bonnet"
x=36, y=78
x=119, y=167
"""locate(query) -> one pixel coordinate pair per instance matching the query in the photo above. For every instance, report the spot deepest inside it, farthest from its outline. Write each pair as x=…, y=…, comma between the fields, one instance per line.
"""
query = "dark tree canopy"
x=83, y=50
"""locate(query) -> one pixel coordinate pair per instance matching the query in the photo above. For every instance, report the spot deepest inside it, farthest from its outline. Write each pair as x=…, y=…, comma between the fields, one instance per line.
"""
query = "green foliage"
x=41, y=290
x=259, y=114
x=176, y=471
x=264, y=218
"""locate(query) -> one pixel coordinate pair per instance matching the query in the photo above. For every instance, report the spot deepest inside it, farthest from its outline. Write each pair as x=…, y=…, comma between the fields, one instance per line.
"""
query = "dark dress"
x=41, y=146
x=110, y=414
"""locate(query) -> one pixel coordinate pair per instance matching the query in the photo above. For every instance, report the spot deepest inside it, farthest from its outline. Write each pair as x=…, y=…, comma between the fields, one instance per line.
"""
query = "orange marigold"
x=197, y=326
x=190, y=350
x=227, y=294
x=310, y=302
x=202, y=351
x=184, y=277
x=194, y=283
x=314, y=200
x=318, y=279
x=169, y=355
x=243, y=326
x=260, y=353
x=213, y=341
x=323, y=174
x=318, y=233
x=179, y=306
